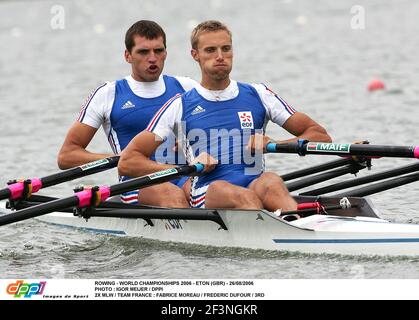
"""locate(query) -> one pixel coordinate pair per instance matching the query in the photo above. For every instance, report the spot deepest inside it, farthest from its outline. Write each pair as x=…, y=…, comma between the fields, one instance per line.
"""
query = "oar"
x=303, y=147
x=96, y=195
x=18, y=189
x=381, y=186
x=363, y=180
x=353, y=168
x=316, y=169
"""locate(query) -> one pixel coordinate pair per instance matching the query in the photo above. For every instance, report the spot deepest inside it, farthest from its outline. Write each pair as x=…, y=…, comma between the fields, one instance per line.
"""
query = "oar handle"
x=16, y=190
x=155, y=178
x=303, y=147
x=94, y=196
x=294, y=147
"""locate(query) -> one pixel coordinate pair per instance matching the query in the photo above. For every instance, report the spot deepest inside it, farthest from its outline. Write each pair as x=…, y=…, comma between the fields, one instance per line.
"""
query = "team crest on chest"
x=246, y=120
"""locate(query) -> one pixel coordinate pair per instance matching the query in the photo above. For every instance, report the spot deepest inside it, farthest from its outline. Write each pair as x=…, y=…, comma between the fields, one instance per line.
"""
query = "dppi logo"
x=246, y=120
x=20, y=288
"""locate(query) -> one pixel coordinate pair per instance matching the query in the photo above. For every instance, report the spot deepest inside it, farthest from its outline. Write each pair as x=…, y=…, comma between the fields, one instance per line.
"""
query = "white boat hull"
x=262, y=230
x=354, y=231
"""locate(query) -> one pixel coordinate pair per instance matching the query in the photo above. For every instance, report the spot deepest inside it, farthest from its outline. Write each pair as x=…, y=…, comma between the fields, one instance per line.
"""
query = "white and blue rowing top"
x=124, y=109
x=220, y=123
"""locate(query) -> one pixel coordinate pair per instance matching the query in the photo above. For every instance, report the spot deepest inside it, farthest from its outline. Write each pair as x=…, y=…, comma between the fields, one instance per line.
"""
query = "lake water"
x=305, y=50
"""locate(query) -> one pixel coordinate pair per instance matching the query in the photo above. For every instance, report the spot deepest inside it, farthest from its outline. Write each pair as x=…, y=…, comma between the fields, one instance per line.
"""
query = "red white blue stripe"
x=159, y=113
x=130, y=197
x=197, y=196
x=287, y=107
x=87, y=102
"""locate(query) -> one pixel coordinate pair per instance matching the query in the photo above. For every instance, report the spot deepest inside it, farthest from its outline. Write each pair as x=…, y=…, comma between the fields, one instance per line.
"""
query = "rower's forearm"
x=317, y=134
x=137, y=165
x=76, y=157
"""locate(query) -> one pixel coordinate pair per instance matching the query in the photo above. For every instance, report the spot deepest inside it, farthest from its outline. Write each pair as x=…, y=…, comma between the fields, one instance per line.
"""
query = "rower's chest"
x=224, y=115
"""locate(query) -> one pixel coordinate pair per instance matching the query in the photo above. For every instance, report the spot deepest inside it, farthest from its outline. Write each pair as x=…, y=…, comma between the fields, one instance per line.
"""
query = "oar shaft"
x=16, y=190
x=159, y=177
x=39, y=210
x=360, y=181
x=81, y=171
x=344, y=149
x=316, y=169
x=99, y=194
x=5, y=193
x=309, y=181
x=381, y=186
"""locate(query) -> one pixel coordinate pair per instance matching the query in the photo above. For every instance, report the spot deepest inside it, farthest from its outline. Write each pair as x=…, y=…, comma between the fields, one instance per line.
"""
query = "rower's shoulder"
x=264, y=91
x=104, y=88
x=174, y=102
x=261, y=88
x=186, y=82
x=99, y=94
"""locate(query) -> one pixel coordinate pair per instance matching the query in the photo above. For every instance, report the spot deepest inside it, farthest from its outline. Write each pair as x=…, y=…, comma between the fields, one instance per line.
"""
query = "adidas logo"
x=197, y=110
x=128, y=105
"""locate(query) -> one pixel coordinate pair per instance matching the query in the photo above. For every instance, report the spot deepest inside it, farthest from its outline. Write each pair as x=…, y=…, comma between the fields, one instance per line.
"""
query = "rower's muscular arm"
x=299, y=125
x=135, y=162
x=73, y=152
x=303, y=127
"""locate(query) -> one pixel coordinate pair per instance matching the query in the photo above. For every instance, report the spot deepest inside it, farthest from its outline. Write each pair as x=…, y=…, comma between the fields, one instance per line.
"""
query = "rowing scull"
x=355, y=231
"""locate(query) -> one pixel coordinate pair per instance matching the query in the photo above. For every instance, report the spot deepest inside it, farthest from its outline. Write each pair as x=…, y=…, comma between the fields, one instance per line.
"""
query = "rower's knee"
x=271, y=183
x=271, y=178
x=233, y=196
x=164, y=195
x=273, y=192
x=174, y=197
x=248, y=199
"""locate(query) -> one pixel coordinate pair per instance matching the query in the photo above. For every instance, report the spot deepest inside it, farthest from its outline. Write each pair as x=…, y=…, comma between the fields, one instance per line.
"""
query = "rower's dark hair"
x=207, y=26
x=144, y=28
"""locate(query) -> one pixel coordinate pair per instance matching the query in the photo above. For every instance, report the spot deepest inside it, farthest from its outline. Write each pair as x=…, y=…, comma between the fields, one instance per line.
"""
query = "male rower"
x=125, y=107
x=204, y=115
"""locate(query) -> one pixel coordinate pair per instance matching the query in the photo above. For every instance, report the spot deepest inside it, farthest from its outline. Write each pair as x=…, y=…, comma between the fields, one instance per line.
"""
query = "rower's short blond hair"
x=207, y=26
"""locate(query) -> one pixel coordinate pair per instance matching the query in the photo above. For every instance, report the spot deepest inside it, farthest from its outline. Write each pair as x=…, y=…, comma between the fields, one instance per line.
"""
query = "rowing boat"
x=359, y=231
x=346, y=223
x=354, y=231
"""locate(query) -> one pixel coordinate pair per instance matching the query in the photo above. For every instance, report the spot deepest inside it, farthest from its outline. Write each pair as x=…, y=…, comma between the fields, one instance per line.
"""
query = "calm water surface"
x=305, y=50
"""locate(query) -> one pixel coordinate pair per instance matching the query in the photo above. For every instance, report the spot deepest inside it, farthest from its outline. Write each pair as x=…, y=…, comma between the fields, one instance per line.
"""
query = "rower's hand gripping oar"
x=96, y=195
x=304, y=147
x=24, y=189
